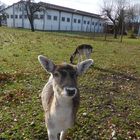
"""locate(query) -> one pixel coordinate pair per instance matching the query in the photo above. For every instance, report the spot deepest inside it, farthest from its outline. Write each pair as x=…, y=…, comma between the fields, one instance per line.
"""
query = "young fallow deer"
x=82, y=50
x=60, y=96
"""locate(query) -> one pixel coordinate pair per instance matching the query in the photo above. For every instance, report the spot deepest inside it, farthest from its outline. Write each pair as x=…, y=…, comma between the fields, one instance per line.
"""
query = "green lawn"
x=110, y=90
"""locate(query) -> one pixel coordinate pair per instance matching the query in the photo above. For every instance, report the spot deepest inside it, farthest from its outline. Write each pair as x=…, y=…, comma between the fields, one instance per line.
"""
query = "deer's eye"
x=73, y=74
x=56, y=74
x=64, y=73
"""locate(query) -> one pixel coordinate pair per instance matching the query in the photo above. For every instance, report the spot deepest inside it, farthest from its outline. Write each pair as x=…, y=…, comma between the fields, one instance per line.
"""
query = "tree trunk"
x=115, y=31
x=139, y=31
x=0, y=21
x=106, y=31
x=122, y=31
x=32, y=24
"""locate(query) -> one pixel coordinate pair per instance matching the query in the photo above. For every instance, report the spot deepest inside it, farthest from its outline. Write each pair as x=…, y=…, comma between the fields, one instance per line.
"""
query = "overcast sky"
x=92, y=6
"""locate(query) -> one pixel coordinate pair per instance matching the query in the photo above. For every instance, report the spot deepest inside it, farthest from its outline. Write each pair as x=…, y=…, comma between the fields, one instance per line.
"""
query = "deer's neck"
x=75, y=53
x=62, y=101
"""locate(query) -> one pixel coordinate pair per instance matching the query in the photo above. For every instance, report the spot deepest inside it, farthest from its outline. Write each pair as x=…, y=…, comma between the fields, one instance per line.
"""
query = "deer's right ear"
x=84, y=65
x=46, y=63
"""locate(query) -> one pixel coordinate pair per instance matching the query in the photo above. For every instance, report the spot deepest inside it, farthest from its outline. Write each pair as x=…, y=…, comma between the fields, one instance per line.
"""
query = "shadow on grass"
x=123, y=75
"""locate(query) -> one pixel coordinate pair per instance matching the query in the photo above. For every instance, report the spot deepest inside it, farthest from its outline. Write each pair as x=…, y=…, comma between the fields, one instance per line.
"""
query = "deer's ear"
x=47, y=64
x=83, y=66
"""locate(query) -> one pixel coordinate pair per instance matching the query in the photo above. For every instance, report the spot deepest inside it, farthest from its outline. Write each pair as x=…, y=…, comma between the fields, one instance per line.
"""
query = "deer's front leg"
x=52, y=135
x=62, y=135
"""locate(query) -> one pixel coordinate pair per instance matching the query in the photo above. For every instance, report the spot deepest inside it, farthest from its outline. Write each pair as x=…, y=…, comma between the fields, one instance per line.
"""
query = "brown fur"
x=83, y=49
x=60, y=96
x=71, y=71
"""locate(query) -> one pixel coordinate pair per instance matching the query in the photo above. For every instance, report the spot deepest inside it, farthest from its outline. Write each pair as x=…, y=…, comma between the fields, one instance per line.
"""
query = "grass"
x=110, y=91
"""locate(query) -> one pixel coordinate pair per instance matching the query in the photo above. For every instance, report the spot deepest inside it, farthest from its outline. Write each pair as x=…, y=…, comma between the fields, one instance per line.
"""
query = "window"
x=68, y=19
x=41, y=16
x=25, y=16
x=49, y=17
x=16, y=8
x=16, y=16
x=11, y=16
x=7, y=16
x=20, y=9
x=55, y=18
x=100, y=24
x=79, y=21
x=75, y=20
x=88, y=22
x=84, y=22
x=20, y=16
x=36, y=16
x=63, y=18
x=92, y=23
x=24, y=8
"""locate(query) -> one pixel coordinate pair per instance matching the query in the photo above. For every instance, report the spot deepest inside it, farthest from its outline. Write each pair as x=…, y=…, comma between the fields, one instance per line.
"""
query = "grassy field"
x=110, y=90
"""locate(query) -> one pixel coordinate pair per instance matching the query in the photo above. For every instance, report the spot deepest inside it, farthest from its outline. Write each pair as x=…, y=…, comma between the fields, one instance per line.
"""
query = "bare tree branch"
x=31, y=9
x=116, y=11
x=2, y=15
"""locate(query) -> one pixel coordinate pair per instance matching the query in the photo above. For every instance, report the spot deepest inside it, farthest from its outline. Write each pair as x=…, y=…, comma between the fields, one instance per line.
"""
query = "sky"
x=92, y=6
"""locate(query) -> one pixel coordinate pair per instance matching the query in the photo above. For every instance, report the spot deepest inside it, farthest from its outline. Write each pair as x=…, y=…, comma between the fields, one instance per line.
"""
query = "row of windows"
x=64, y=19
x=25, y=16
x=55, y=18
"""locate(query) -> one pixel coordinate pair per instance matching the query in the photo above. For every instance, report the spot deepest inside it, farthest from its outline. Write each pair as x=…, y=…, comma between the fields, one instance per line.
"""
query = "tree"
x=115, y=11
x=2, y=15
x=2, y=6
x=137, y=8
x=132, y=18
x=31, y=9
x=108, y=11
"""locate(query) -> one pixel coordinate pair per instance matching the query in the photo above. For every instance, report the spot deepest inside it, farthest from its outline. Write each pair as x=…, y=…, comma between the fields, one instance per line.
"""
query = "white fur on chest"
x=60, y=116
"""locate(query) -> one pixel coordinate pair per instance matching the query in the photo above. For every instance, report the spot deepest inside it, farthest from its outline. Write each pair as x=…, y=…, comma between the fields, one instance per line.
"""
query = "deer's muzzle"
x=70, y=91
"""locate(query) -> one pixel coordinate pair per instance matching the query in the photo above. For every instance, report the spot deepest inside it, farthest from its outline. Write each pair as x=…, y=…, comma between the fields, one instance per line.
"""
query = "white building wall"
x=96, y=25
x=63, y=21
x=27, y=24
x=38, y=22
x=18, y=12
x=76, y=26
x=86, y=24
x=102, y=26
x=9, y=11
x=93, y=24
x=65, y=25
x=51, y=24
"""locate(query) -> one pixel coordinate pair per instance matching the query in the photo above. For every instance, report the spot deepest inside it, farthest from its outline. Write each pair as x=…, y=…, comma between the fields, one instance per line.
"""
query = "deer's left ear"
x=47, y=64
x=83, y=66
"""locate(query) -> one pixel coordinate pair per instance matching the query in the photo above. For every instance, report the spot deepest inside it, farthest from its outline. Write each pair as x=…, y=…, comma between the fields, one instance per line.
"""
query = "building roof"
x=60, y=8
x=21, y=1
x=70, y=10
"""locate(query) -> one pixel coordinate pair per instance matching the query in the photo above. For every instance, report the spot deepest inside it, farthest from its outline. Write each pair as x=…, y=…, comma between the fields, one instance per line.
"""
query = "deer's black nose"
x=71, y=91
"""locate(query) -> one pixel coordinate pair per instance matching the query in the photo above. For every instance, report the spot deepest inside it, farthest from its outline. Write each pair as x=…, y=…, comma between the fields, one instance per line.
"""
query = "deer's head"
x=64, y=76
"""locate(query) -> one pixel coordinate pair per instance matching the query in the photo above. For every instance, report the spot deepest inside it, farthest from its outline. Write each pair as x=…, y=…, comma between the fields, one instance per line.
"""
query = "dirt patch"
x=6, y=77
x=14, y=96
x=112, y=105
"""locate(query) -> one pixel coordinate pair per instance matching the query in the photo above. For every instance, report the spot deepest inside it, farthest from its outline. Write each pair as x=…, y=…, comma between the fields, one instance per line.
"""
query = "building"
x=54, y=18
x=134, y=25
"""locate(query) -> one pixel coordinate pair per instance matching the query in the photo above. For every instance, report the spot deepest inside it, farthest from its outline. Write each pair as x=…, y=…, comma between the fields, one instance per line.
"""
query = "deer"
x=60, y=96
x=81, y=50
